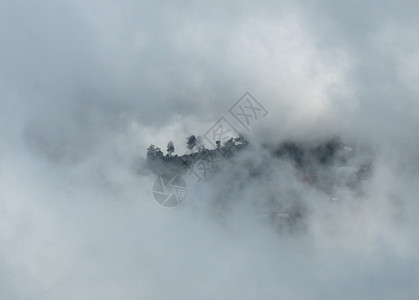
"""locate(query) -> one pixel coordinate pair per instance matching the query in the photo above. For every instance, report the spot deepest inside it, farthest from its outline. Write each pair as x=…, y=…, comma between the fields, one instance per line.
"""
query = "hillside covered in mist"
x=330, y=168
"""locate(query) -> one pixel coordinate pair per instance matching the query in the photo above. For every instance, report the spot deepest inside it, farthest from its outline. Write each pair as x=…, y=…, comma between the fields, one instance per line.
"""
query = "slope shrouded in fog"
x=316, y=198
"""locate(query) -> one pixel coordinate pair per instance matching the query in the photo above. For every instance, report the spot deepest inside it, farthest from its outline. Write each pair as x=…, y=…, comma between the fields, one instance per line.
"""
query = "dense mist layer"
x=86, y=87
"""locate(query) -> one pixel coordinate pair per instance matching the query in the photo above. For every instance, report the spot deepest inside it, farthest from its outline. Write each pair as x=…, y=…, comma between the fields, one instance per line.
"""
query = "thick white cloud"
x=87, y=86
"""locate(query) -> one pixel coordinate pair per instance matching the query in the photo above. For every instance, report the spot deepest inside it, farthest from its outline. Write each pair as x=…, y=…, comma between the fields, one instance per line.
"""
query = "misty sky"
x=86, y=86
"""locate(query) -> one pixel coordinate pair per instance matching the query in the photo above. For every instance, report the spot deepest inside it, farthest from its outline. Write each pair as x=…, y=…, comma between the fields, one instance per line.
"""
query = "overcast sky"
x=86, y=86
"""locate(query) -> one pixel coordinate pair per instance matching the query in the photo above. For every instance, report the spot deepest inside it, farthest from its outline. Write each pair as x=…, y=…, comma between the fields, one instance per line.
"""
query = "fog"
x=87, y=86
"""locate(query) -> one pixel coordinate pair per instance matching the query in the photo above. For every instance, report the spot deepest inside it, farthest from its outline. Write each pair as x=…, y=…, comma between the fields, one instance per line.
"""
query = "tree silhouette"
x=154, y=152
x=191, y=142
x=170, y=149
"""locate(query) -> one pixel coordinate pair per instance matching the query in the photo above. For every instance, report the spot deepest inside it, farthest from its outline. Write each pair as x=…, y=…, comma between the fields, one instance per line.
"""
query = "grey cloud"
x=85, y=87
